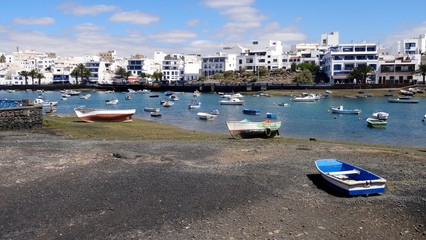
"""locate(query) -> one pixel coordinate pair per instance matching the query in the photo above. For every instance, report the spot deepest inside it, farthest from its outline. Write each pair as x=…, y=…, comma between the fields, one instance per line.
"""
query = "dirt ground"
x=54, y=187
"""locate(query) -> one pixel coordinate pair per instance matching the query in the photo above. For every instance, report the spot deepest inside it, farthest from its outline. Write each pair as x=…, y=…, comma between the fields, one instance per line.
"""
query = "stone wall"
x=21, y=118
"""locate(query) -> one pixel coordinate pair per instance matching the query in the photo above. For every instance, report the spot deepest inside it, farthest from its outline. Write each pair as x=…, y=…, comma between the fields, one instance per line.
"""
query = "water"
x=299, y=120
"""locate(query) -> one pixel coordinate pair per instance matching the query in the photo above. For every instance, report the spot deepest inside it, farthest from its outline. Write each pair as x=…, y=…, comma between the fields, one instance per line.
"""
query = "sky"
x=130, y=27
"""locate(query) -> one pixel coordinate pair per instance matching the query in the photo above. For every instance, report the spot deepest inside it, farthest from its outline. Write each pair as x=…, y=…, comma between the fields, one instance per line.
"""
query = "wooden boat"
x=206, y=116
x=111, y=102
x=232, y=101
x=151, y=109
x=402, y=100
x=340, y=110
x=104, y=115
x=247, y=128
x=251, y=111
x=376, y=123
x=350, y=179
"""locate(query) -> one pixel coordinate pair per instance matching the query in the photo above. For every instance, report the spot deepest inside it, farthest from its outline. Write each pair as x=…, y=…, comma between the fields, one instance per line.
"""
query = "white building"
x=266, y=53
x=397, y=69
x=340, y=60
x=192, y=67
x=173, y=68
x=218, y=63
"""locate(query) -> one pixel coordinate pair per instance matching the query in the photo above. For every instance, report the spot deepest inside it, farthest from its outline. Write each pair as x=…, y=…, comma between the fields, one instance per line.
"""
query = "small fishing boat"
x=39, y=101
x=381, y=115
x=168, y=104
x=173, y=97
x=350, y=179
x=251, y=111
x=246, y=128
x=376, y=123
x=402, y=100
x=154, y=96
x=195, y=104
x=155, y=114
x=305, y=98
x=128, y=96
x=196, y=93
x=283, y=104
x=144, y=91
x=104, y=115
x=151, y=109
x=232, y=101
x=271, y=115
x=340, y=110
x=85, y=96
x=206, y=116
x=111, y=102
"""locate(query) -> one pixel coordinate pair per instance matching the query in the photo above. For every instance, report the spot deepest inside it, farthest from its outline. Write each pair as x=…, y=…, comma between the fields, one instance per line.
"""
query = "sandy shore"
x=53, y=187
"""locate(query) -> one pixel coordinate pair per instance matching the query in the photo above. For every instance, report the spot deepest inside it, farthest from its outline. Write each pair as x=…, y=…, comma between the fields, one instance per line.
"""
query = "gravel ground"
x=54, y=187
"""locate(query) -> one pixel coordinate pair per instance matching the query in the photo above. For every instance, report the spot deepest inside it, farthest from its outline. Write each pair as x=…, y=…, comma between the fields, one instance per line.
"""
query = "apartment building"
x=173, y=68
x=267, y=54
x=397, y=69
x=218, y=63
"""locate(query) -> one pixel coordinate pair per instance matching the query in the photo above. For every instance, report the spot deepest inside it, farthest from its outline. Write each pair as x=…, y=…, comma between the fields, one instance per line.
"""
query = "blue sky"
x=75, y=28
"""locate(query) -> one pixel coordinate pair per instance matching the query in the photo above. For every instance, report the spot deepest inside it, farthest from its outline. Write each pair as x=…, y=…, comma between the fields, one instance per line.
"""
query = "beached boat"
x=104, y=115
x=402, y=100
x=376, y=123
x=206, y=116
x=340, y=110
x=231, y=101
x=151, y=109
x=111, y=102
x=251, y=111
x=350, y=179
x=39, y=101
x=247, y=128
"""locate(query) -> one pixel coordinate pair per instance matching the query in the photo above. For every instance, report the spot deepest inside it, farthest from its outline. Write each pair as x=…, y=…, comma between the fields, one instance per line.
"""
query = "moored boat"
x=402, y=100
x=195, y=104
x=271, y=115
x=155, y=114
x=247, y=128
x=151, y=109
x=168, y=104
x=349, y=179
x=85, y=96
x=251, y=111
x=381, y=115
x=206, y=116
x=376, y=123
x=104, y=115
x=111, y=102
x=232, y=101
x=39, y=101
x=341, y=110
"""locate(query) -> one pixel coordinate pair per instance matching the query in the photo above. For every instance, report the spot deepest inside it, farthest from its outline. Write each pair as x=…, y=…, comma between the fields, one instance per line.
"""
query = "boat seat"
x=353, y=171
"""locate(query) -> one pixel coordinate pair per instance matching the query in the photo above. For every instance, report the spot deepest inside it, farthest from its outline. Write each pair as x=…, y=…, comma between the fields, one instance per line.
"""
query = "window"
x=337, y=67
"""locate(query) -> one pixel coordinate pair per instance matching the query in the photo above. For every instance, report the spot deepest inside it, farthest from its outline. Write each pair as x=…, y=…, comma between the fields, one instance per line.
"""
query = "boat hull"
x=206, y=116
x=376, y=123
x=246, y=129
x=104, y=115
x=345, y=111
x=251, y=111
x=398, y=100
x=349, y=179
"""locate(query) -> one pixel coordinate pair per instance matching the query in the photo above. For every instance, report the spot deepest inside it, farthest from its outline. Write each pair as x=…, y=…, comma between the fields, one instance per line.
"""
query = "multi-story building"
x=340, y=60
x=218, y=63
x=192, y=67
x=267, y=54
x=173, y=68
x=397, y=69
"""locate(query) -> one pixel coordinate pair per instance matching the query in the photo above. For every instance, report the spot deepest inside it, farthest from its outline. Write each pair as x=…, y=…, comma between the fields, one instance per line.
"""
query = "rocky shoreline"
x=54, y=187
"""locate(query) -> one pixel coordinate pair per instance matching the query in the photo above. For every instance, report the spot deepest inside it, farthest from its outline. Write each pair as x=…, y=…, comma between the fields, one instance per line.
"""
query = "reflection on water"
x=299, y=120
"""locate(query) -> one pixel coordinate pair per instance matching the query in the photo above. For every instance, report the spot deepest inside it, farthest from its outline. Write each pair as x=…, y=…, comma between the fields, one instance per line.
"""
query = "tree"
x=293, y=67
x=157, y=75
x=365, y=71
x=422, y=71
x=355, y=74
x=39, y=76
x=75, y=74
x=33, y=74
x=25, y=74
x=79, y=71
x=121, y=72
x=262, y=71
x=2, y=59
x=304, y=77
x=86, y=74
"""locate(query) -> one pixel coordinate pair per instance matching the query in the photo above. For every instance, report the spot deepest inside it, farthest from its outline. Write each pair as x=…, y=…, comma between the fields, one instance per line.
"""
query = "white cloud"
x=88, y=27
x=413, y=32
x=227, y=3
x=193, y=22
x=134, y=17
x=173, y=36
x=34, y=21
x=80, y=10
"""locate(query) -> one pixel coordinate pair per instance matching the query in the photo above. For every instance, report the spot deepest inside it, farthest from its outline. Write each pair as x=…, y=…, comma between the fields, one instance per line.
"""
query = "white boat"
x=246, y=128
x=402, y=100
x=39, y=101
x=111, y=102
x=340, y=110
x=196, y=93
x=85, y=96
x=306, y=98
x=11, y=90
x=173, y=97
x=105, y=115
x=144, y=91
x=381, y=115
x=206, y=116
x=128, y=96
x=231, y=101
x=151, y=109
x=195, y=104
x=72, y=92
x=350, y=179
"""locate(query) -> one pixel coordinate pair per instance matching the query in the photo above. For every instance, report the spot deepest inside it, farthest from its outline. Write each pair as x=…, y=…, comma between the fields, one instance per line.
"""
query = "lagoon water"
x=299, y=120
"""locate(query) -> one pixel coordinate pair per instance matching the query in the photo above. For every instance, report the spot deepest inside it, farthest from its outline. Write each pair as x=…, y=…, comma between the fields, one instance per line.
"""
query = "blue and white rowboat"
x=350, y=179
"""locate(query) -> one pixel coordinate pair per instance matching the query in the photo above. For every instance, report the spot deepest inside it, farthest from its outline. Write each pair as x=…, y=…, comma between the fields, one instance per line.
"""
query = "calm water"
x=299, y=120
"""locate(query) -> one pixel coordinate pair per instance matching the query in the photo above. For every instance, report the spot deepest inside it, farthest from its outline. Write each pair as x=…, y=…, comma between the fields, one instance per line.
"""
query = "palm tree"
x=365, y=70
x=25, y=74
x=422, y=71
x=86, y=74
x=39, y=76
x=75, y=74
x=355, y=74
x=79, y=71
x=33, y=74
